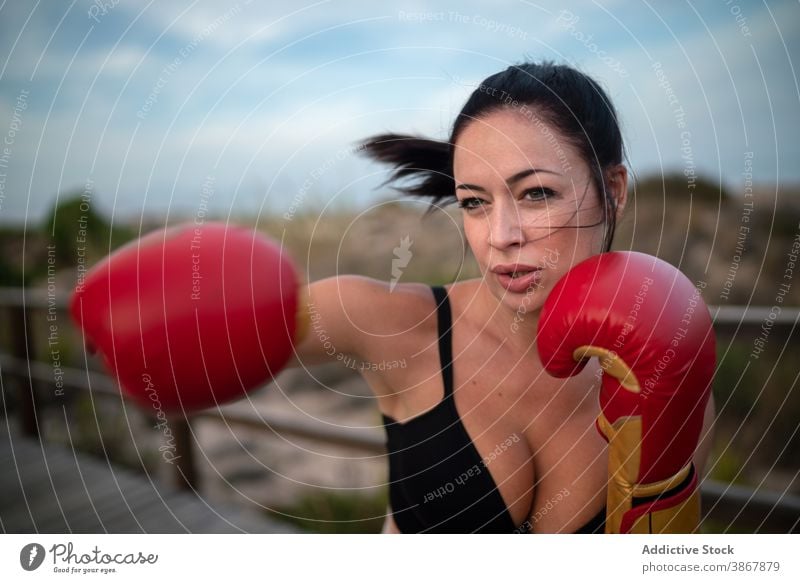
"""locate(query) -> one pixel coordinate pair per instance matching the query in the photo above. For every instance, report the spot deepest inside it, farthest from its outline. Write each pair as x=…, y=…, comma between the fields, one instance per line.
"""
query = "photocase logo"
x=31, y=556
x=402, y=254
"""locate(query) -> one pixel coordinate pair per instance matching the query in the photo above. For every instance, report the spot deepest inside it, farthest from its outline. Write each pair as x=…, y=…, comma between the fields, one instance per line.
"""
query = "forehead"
x=507, y=141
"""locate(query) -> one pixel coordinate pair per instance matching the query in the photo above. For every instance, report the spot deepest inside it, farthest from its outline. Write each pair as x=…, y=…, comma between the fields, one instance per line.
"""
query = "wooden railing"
x=723, y=503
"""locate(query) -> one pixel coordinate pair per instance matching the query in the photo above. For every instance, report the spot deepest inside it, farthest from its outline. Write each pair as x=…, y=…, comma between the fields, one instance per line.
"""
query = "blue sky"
x=262, y=101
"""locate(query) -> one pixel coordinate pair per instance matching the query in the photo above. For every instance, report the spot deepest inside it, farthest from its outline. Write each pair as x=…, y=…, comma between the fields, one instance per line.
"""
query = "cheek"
x=563, y=250
x=475, y=234
x=573, y=245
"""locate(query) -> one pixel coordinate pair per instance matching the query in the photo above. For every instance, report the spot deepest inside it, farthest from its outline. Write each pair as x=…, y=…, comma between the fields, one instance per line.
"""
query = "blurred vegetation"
x=711, y=526
x=336, y=512
x=698, y=230
x=71, y=221
x=72, y=232
x=12, y=243
x=704, y=232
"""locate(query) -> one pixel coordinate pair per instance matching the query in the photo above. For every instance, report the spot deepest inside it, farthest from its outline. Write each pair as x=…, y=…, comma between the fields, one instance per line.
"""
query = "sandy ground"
x=253, y=467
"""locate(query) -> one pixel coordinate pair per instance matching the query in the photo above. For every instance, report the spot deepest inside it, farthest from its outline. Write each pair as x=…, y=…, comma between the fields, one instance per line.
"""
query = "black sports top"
x=438, y=480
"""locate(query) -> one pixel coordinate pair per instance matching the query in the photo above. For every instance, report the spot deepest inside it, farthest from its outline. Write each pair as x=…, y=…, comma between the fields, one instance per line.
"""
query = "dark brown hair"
x=562, y=97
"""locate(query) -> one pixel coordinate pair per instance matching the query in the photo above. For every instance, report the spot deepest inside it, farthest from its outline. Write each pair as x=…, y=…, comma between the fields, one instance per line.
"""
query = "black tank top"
x=438, y=482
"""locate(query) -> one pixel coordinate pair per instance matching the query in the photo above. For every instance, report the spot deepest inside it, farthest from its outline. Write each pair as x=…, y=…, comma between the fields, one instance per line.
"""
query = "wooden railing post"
x=186, y=474
x=22, y=348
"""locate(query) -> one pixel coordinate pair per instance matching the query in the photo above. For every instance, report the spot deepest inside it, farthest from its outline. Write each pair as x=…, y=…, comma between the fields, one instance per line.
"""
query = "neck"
x=515, y=327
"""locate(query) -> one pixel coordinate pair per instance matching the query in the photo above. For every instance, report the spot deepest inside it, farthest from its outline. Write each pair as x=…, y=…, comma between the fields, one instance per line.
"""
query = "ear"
x=617, y=184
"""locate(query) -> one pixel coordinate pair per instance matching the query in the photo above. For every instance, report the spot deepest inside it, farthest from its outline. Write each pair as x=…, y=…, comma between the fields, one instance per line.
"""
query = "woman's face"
x=530, y=208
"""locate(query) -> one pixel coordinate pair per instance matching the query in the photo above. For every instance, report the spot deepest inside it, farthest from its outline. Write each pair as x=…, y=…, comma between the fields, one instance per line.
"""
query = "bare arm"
x=360, y=318
x=340, y=313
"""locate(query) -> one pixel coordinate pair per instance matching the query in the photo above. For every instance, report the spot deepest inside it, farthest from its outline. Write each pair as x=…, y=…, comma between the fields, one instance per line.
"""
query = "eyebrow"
x=511, y=180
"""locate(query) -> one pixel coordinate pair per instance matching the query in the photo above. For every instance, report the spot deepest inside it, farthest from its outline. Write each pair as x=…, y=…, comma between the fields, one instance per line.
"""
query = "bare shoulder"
x=358, y=316
x=371, y=305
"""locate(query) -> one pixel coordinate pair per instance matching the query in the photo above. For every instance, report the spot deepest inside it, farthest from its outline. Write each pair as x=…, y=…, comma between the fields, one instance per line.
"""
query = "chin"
x=528, y=302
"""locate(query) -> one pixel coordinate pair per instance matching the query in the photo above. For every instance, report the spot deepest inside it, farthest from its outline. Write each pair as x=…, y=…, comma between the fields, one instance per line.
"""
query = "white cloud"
x=325, y=95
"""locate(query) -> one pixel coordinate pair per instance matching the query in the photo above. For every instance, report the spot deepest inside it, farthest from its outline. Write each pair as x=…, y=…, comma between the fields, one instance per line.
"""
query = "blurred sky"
x=251, y=107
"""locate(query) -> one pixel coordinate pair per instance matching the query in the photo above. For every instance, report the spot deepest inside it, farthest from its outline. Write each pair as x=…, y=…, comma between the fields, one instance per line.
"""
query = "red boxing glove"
x=651, y=331
x=192, y=316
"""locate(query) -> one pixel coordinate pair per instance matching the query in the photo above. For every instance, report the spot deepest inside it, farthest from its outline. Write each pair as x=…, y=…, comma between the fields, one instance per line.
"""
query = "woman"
x=481, y=439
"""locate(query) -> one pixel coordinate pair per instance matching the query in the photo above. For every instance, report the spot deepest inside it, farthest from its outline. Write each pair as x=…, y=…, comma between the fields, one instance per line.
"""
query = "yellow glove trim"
x=624, y=452
x=655, y=488
x=611, y=363
x=624, y=456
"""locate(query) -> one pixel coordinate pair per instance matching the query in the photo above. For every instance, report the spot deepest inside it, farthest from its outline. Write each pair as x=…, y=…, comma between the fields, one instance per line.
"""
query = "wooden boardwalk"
x=52, y=489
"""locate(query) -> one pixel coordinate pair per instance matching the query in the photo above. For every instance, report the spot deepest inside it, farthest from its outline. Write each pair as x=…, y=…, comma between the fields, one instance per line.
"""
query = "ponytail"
x=429, y=163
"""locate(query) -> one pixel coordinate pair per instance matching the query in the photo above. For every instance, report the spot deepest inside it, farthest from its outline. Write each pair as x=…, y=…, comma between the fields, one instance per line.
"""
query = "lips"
x=517, y=277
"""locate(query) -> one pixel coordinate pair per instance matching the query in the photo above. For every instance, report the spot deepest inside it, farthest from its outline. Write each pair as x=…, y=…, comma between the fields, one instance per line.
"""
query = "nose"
x=505, y=227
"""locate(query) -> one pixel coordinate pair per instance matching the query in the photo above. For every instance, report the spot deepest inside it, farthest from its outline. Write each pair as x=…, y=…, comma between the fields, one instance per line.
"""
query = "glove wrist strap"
x=671, y=505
